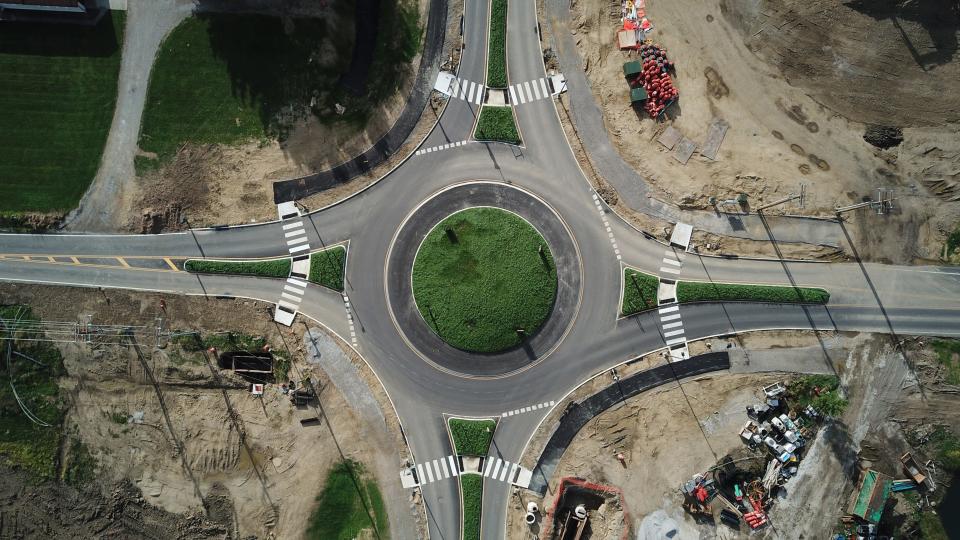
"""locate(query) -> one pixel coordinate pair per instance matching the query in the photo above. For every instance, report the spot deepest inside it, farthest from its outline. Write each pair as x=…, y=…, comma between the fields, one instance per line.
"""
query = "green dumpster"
x=632, y=68
x=637, y=94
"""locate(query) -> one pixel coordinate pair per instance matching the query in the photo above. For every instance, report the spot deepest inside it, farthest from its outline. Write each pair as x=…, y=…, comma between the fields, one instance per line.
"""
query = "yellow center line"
x=75, y=261
x=51, y=259
x=91, y=265
x=170, y=264
x=123, y=262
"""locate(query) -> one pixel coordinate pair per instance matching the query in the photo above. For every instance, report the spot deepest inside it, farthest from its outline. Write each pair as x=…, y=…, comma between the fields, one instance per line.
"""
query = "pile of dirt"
x=883, y=137
x=52, y=510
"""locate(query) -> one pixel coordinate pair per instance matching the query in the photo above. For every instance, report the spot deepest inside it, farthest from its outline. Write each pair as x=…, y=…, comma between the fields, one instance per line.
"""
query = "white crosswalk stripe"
x=480, y=91
x=293, y=225
x=671, y=342
x=297, y=232
x=673, y=333
x=669, y=309
x=522, y=410
x=670, y=317
x=668, y=326
x=543, y=84
x=438, y=148
x=671, y=261
x=473, y=89
x=454, y=467
x=526, y=86
x=448, y=467
x=295, y=241
x=513, y=96
x=289, y=296
x=536, y=90
x=295, y=249
x=669, y=270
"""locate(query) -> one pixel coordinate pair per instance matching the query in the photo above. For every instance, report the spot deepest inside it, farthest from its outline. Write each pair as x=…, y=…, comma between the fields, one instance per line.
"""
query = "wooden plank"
x=715, y=133
x=684, y=150
x=670, y=137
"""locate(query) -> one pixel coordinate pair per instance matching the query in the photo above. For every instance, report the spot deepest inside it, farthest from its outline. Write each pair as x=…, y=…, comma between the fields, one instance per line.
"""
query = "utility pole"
x=801, y=196
x=883, y=204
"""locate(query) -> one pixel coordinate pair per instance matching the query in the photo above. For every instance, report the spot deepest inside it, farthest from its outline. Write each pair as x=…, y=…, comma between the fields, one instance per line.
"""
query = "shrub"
x=639, y=291
x=472, y=487
x=472, y=437
x=326, y=267
x=496, y=124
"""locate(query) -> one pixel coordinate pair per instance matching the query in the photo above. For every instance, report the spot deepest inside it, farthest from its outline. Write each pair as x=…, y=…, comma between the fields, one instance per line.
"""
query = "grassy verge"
x=639, y=291
x=58, y=91
x=349, y=504
x=226, y=342
x=23, y=443
x=689, y=291
x=947, y=448
x=273, y=268
x=326, y=267
x=480, y=276
x=471, y=437
x=497, y=47
x=471, y=485
x=820, y=391
x=948, y=353
x=232, y=78
x=496, y=124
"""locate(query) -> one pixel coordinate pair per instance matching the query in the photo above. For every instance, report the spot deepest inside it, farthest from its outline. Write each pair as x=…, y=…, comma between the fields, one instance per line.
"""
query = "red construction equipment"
x=656, y=80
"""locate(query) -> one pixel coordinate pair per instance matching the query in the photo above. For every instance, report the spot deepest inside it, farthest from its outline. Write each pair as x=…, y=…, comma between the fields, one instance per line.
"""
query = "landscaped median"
x=496, y=123
x=471, y=438
x=497, y=46
x=640, y=293
x=326, y=267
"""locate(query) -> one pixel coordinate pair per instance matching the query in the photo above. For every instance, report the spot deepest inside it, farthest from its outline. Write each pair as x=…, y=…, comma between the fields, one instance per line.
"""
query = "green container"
x=637, y=94
x=632, y=68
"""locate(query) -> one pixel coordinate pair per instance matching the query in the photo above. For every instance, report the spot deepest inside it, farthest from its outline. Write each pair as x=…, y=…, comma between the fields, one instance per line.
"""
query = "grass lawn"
x=948, y=353
x=470, y=437
x=22, y=443
x=58, y=89
x=690, y=291
x=345, y=506
x=326, y=267
x=228, y=78
x=497, y=46
x=496, y=124
x=479, y=277
x=471, y=485
x=639, y=291
x=272, y=268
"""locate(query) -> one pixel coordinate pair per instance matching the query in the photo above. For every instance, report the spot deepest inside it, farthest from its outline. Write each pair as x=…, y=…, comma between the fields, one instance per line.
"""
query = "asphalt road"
x=870, y=297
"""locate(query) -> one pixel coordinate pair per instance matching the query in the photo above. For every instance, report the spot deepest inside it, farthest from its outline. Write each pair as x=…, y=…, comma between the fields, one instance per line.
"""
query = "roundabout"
x=467, y=303
x=484, y=280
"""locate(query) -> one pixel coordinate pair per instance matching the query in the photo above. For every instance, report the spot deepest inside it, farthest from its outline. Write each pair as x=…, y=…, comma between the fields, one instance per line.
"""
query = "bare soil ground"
x=744, y=62
x=218, y=185
x=206, y=450
x=670, y=434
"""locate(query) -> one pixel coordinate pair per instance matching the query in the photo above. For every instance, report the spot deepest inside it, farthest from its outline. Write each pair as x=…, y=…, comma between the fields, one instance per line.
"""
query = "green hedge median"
x=639, y=291
x=496, y=124
x=688, y=291
x=272, y=268
x=497, y=47
x=471, y=485
x=471, y=437
x=326, y=267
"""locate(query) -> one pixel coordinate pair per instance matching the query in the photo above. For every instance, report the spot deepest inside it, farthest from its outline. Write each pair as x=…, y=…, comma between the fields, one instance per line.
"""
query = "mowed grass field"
x=58, y=88
x=477, y=284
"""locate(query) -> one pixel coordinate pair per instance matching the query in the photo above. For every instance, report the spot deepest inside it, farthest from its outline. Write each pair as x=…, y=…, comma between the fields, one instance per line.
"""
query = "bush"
x=948, y=448
x=472, y=487
x=471, y=437
x=496, y=124
x=497, y=47
x=639, y=291
x=820, y=391
x=326, y=267
x=948, y=353
x=696, y=291
x=273, y=268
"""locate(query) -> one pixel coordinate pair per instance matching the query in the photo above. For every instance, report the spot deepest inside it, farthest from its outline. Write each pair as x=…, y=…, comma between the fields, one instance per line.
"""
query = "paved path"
x=148, y=22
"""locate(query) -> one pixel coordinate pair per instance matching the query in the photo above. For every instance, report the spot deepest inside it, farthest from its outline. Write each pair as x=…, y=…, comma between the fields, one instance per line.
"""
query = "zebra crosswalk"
x=529, y=91
x=468, y=91
x=451, y=466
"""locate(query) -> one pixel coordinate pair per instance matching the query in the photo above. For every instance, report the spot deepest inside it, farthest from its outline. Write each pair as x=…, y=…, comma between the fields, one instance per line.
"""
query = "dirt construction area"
x=800, y=85
x=668, y=435
x=182, y=448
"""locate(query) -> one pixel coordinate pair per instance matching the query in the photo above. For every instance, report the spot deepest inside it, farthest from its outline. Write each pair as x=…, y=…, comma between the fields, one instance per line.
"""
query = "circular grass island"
x=484, y=280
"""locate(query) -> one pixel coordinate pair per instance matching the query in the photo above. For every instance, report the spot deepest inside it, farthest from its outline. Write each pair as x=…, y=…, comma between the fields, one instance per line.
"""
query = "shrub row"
x=326, y=267
x=497, y=47
x=472, y=487
x=688, y=291
x=272, y=268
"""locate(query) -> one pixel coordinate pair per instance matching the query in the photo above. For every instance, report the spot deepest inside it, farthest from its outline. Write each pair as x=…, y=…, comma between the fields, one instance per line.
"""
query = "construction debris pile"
x=744, y=486
x=649, y=77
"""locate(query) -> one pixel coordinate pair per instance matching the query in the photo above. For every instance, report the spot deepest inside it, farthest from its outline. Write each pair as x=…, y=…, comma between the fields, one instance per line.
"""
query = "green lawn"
x=345, y=506
x=496, y=124
x=479, y=277
x=639, y=291
x=326, y=267
x=497, y=46
x=22, y=443
x=472, y=487
x=272, y=268
x=471, y=437
x=227, y=78
x=690, y=291
x=58, y=89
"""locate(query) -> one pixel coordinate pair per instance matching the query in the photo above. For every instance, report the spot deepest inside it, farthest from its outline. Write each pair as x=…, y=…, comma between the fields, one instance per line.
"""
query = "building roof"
x=872, y=497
